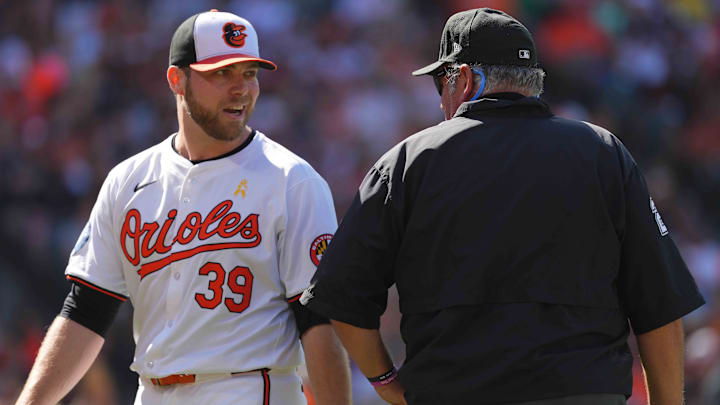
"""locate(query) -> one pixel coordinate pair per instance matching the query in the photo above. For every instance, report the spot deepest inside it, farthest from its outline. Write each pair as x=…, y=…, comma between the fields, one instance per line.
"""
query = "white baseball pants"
x=244, y=389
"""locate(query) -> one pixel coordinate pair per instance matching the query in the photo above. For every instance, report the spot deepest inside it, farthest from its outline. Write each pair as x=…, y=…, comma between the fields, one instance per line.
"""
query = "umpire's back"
x=525, y=241
x=507, y=203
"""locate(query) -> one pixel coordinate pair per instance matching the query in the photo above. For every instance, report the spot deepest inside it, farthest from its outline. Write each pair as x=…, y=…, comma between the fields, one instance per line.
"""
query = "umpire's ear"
x=176, y=80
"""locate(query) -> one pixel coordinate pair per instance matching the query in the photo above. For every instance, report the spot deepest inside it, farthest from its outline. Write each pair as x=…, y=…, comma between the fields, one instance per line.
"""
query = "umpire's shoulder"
x=613, y=143
x=581, y=131
x=428, y=139
x=595, y=140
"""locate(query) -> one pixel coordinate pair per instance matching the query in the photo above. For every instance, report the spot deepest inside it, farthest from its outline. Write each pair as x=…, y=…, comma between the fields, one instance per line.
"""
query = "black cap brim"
x=429, y=68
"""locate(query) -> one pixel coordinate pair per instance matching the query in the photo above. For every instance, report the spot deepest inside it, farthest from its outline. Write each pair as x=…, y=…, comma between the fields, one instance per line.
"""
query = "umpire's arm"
x=372, y=358
x=662, y=352
x=656, y=290
x=352, y=279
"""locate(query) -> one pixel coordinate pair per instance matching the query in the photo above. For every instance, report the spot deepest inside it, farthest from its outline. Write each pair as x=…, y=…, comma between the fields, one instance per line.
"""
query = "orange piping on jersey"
x=94, y=287
x=152, y=267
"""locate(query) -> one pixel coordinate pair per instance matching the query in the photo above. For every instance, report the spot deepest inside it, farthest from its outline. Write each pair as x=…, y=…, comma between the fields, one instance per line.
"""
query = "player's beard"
x=210, y=122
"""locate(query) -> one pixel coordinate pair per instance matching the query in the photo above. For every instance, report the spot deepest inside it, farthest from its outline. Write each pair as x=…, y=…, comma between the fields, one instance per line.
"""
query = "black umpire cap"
x=484, y=36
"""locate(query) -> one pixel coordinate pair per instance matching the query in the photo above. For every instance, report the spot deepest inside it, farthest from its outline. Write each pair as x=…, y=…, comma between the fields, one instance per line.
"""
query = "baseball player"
x=211, y=235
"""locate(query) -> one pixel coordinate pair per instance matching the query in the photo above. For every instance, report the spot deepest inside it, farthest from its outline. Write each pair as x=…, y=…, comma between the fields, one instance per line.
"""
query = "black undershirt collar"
x=224, y=155
x=504, y=104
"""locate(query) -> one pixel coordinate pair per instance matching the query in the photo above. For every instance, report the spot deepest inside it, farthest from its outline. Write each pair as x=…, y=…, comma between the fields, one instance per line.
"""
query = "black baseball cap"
x=214, y=39
x=485, y=36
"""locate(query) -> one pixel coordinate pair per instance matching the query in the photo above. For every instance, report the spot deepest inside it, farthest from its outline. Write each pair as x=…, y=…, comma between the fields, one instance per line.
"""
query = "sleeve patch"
x=658, y=219
x=319, y=246
x=82, y=240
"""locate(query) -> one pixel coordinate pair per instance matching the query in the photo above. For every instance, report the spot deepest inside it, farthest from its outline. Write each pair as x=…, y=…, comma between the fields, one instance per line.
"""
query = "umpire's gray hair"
x=525, y=80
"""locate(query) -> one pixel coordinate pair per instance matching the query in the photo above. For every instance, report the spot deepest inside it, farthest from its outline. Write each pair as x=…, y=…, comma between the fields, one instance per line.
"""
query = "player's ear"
x=176, y=80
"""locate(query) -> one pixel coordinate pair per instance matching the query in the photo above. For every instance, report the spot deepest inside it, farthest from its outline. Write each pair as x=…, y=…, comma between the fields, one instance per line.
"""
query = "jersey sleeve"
x=310, y=225
x=94, y=261
x=654, y=284
x=352, y=281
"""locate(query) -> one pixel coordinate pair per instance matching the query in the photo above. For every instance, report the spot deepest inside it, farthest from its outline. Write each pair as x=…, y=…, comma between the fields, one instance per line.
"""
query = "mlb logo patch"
x=524, y=54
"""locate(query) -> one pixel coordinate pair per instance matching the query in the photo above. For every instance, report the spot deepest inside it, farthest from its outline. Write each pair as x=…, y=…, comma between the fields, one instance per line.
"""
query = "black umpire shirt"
x=521, y=244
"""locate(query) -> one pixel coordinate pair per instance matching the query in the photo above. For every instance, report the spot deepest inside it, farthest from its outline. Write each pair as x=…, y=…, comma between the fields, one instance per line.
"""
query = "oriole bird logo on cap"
x=233, y=34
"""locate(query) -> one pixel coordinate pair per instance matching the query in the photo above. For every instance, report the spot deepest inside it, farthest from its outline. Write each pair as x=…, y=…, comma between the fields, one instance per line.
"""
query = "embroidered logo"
x=233, y=35
x=138, y=187
x=140, y=240
x=319, y=246
x=456, y=47
x=524, y=54
x=661, y=225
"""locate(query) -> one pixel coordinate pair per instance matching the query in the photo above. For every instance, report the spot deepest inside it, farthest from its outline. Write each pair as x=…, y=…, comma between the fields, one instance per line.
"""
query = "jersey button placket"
x=175, y=288
x=186, y=187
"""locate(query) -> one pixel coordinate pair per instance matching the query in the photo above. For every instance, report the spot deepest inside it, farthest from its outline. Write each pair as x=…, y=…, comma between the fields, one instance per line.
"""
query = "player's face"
x=221, y=101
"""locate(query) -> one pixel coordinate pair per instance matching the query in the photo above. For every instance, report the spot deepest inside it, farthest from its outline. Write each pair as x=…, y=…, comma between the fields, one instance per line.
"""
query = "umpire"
x=521, y=245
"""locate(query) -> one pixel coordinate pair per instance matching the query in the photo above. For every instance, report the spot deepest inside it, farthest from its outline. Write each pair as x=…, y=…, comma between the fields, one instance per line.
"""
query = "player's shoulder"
x=285, y=161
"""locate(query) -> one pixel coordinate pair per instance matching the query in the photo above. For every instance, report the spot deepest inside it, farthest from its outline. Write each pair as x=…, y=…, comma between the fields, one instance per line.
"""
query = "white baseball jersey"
x=209, y=254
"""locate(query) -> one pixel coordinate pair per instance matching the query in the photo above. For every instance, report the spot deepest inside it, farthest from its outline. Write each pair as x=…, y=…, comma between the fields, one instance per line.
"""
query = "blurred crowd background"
x=82, y=87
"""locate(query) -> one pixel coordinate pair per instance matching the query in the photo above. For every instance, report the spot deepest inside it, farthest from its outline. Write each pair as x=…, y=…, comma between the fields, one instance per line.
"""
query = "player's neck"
x=194, y=144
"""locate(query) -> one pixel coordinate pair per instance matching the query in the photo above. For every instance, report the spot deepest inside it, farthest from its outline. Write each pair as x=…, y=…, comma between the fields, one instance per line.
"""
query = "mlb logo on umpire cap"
x=214, y=39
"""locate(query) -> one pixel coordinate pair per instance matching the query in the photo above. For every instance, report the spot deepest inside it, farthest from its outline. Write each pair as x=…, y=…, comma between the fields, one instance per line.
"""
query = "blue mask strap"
x=482, y=84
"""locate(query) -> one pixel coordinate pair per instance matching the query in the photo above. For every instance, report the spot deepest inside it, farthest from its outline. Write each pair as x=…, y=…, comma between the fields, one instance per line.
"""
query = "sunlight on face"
x=221, y=101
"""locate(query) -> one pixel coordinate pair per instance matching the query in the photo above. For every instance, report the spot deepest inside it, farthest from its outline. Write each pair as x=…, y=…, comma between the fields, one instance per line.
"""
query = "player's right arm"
x=71, y=344
x=67, y=352
x=96, y=294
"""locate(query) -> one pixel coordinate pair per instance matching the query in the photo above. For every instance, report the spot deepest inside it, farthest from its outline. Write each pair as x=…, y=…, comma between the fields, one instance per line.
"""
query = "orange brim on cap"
x=224, y=60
